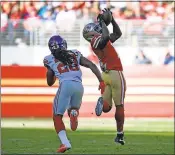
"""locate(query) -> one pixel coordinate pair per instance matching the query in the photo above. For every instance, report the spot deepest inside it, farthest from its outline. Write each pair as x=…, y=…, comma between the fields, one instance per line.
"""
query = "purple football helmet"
x=57, y=42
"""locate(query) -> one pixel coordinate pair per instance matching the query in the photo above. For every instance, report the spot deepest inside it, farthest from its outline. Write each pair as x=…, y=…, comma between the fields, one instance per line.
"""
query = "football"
x=107, y=17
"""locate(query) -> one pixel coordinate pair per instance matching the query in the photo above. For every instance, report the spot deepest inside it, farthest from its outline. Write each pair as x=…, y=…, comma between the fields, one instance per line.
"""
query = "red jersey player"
x=101, y=42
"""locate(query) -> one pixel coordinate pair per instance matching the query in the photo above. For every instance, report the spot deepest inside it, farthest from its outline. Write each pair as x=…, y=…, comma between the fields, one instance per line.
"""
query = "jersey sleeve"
x=46, y=61
x=95, y=42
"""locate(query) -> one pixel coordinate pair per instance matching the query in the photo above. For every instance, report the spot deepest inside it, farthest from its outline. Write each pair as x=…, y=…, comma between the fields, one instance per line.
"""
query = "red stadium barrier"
x=130, y=71
x=149, y=92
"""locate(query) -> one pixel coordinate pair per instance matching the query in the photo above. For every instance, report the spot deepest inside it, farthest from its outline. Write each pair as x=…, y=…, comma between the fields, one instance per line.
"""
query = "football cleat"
x=120, y=139
x=62, y=148
x=99, y=106
x=73, y=119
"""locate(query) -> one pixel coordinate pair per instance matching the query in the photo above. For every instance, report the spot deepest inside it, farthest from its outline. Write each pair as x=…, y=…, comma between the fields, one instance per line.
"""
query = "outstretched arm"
x=101, y=41
x=105, y=36
x=116, y=31
x=86, y=63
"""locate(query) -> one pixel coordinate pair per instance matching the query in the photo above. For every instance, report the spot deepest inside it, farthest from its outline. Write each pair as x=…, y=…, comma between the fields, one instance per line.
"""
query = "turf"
x=34, y=141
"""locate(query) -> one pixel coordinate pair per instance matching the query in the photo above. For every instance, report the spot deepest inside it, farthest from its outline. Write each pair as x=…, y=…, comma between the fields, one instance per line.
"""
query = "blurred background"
x=146, y=49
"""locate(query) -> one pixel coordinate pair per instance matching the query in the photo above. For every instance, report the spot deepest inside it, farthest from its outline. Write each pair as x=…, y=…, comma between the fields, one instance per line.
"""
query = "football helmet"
x=57, y=43
x=90, y=30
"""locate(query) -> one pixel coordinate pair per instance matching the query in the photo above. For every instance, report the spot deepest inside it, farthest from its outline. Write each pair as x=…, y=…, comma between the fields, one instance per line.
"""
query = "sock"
x=119, y=117
x=60, y=129
x=120, y=132
x=58, y=123
x=63, y=137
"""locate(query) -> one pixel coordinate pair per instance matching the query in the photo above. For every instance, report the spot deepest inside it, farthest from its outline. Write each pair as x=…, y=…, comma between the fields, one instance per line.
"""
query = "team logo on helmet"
x=54, y=45
x=57, y=42
x=90, y=30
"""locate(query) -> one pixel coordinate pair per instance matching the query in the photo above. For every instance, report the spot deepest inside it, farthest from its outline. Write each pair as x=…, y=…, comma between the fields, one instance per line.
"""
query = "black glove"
x=107, y=9
x=100, y=17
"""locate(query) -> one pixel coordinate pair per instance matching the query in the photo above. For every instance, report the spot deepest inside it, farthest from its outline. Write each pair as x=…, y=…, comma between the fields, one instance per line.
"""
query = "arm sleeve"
x=95, y=41
x=46, y=62
x=99, y=42
x=116, y=32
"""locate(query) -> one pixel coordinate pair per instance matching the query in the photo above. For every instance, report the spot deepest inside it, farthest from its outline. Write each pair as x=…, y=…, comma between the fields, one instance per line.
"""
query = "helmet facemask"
x=57, y=46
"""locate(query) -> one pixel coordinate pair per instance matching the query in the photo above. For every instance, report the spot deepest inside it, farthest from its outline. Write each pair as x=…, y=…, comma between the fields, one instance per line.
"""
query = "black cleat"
x=120, y=139
x=99, y=106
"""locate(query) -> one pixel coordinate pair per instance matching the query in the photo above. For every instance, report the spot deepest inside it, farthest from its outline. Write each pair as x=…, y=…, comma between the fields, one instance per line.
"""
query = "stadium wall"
x=33, y=55
x=150, y=92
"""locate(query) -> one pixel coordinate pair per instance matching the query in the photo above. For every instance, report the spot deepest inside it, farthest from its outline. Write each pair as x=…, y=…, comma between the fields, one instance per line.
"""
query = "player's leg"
x=118, y=94
x=104, y=103
x=61, y=102
x=75, y=103
x=107, y=99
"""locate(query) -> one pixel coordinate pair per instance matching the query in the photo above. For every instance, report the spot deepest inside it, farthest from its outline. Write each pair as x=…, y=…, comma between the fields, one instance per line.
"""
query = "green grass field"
x=149, y=137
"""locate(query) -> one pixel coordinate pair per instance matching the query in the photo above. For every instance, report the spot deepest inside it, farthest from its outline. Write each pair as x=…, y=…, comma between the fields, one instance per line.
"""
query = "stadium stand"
x=142, y=23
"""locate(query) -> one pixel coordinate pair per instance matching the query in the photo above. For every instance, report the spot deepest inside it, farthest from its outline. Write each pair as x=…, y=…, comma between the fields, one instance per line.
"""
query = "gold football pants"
x=115, y=87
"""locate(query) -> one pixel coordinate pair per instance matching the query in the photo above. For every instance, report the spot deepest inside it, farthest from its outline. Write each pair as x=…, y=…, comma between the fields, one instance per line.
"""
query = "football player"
x=102, y=44
x=65, y=65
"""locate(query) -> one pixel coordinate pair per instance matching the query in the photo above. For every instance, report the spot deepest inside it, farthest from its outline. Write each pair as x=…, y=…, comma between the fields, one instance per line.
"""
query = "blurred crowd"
x=33, y=12
x=48, y=10
x=166, y=59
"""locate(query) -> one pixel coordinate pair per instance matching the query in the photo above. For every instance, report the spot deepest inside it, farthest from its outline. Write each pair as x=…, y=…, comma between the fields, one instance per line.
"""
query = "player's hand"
x=102, y=87
x=107, y=9
x=100, y=18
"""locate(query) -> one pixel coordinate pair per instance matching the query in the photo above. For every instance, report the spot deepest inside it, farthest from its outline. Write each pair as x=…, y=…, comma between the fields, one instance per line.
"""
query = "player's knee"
x=119, y=105
x=106, y=107
x=57, y=117
x=69, y=110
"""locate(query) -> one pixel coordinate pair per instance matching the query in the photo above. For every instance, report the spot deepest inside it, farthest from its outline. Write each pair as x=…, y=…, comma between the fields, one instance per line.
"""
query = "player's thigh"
x=62, y=99
x=118, y=87
x=106, y=78
x=77, y=95
x=107, y=95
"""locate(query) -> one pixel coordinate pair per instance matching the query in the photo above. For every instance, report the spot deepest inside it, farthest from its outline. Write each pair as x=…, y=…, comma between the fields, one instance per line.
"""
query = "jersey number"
x=74, y=67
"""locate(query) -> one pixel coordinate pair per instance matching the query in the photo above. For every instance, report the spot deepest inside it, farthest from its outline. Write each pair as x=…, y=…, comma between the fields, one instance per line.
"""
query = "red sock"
x=119, y=117
x=58, y=123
